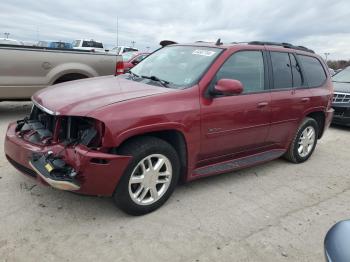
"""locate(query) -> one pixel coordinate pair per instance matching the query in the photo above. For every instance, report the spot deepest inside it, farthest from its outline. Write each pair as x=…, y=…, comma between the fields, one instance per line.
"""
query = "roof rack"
x=285, y=45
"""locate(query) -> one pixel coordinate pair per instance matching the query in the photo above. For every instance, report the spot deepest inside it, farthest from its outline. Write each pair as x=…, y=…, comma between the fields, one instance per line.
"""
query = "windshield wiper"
x=164, y=83
x=133, y=74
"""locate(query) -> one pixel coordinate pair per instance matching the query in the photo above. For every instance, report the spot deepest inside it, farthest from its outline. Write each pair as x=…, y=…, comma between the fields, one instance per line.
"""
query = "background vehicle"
x=341, y=99
x=184, y=112
x=331, y=71
x=55, y=44
x=130, y=59
x=8, y=41
x=337, y=242
x=24, y=70
x=123, y=49
x=89, y=45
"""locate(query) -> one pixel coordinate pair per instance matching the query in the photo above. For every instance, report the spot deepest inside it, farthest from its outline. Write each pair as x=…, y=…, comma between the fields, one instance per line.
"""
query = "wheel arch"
x=175, y=138
x=320, y=118
x=70, y=68
x=69, y=77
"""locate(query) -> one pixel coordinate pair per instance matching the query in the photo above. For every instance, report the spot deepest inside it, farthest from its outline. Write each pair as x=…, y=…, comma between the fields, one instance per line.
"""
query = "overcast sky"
x=321, y=25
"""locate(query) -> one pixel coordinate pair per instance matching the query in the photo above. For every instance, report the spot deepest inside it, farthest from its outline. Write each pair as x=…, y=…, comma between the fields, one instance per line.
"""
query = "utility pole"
x=133, y=43
x=327, y=54
x=6, y=35
x=117, y=31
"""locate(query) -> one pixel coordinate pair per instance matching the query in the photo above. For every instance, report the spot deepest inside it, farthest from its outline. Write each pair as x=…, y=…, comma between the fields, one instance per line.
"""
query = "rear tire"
x=150, y=177
x=304, y=142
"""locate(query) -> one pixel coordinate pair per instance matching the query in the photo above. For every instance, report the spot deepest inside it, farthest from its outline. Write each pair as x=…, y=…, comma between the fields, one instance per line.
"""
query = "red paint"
x=229, y=87
x=214, y=129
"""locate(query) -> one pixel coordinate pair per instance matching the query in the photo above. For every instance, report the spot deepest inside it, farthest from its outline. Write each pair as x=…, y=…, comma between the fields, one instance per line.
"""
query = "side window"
x=313, y=70
x=282, y=73
x=140, y=58
x=247, y=67
x=297, y=77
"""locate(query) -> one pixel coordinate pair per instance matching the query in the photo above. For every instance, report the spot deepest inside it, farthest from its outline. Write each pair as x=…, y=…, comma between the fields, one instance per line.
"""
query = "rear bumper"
x=98, y=173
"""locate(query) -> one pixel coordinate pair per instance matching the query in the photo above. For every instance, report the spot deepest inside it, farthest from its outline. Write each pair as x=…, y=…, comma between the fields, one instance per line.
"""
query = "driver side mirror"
x=135, y=62
x=228, y=87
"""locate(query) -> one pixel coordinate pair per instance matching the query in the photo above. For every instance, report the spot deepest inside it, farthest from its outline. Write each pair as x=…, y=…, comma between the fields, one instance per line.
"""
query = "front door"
x=233, y=124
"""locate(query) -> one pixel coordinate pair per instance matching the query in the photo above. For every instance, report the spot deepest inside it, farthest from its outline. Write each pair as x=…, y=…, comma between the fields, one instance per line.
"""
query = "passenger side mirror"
x=228, y=87
x=135, y=62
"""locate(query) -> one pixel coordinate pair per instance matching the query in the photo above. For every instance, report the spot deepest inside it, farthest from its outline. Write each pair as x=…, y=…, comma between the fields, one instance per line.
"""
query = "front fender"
x=114, y=140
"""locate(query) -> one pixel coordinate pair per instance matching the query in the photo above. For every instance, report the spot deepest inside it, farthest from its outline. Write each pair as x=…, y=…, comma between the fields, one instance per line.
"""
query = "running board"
x=239, y=163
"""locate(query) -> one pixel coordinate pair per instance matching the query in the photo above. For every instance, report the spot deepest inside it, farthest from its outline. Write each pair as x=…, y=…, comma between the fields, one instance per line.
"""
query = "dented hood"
x=84, y=96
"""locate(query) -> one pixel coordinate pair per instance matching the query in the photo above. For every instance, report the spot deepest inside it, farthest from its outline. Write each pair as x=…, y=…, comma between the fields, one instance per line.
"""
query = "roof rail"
x=285, y=45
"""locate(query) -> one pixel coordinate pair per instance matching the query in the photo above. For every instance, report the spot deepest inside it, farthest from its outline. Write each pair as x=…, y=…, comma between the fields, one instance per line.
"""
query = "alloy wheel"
x=150, y=179
x=306, y=141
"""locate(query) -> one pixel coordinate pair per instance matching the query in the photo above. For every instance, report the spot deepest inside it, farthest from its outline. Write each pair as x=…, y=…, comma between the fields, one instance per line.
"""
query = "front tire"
x=304, y=142
x=150, y=178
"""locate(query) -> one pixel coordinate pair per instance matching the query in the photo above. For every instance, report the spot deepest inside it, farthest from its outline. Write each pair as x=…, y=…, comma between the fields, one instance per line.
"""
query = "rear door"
x=290, y=97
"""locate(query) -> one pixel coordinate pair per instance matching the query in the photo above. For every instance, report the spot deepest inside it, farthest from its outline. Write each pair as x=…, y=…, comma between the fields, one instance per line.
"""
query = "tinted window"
x=92, y=44
x=297, y=77
x=282, y=73
x=313, y=70
x=129, y=49
x=247, y=67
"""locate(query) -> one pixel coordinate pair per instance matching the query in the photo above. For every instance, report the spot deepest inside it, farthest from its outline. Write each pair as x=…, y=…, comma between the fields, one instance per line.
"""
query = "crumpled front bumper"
x=98, y=173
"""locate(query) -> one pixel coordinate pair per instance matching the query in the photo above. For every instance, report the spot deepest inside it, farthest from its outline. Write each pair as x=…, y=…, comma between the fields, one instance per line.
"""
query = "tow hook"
x=55, y=171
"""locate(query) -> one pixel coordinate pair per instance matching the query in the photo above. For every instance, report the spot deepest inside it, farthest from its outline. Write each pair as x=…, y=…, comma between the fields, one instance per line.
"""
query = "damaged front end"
x=58, y=167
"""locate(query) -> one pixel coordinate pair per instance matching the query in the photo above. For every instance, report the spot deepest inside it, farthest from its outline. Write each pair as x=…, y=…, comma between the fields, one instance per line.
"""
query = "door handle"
x=305, y=99
x=262, y=104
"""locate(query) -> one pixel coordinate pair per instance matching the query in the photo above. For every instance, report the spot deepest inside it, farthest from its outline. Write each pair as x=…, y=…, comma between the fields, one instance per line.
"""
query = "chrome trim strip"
x=340, y=93
x=45, y=109
x=341, y=98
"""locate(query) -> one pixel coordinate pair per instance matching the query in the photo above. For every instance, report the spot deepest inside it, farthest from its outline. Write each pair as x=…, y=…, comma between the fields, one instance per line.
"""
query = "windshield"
x=128, y=55
x=181, y=66
x=342, y=76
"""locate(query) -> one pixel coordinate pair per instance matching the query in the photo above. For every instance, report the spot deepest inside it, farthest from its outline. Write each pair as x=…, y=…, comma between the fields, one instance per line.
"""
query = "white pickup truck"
x=25, y=69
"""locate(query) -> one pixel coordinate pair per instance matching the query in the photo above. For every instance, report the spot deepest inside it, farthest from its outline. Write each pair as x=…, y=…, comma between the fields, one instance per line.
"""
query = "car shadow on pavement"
x=340, y=127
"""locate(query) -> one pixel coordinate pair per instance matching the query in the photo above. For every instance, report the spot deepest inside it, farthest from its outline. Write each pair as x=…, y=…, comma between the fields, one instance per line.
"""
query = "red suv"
x=184, y=112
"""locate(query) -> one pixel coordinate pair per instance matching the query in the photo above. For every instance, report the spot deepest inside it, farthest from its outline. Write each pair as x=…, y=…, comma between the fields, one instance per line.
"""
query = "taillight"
x=119, y=68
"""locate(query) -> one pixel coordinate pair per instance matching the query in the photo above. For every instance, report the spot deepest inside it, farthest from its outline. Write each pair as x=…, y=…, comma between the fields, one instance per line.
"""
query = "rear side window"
x=282, y=73
x=247, y=67
x=92, y=44
x=313, y=70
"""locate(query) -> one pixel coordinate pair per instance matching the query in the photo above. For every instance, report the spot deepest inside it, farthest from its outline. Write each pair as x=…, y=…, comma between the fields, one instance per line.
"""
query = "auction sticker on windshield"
x=203, y=52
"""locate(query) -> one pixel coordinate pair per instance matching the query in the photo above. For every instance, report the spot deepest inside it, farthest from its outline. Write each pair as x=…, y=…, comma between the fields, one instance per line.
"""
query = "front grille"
x=21, y=168
x=341, y=98
x=341, y=112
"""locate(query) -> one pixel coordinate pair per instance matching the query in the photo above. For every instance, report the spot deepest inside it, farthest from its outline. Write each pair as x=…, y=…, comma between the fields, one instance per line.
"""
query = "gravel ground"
x=273, y=212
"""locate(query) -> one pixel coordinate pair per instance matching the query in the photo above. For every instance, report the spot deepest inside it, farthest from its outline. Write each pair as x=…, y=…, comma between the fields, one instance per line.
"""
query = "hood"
x=84, y=96
x=341, y=87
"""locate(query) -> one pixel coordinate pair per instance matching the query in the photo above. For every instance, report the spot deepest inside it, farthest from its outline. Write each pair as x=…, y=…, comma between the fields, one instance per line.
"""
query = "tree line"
x=338, y=64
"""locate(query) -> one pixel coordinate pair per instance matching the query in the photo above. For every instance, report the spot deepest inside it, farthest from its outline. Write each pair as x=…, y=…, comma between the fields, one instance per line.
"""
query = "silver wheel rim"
x=150, y=179
x=306, y=141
